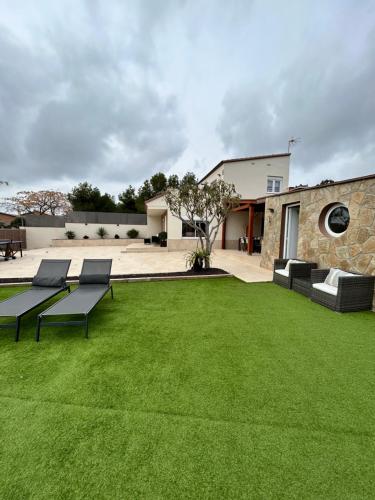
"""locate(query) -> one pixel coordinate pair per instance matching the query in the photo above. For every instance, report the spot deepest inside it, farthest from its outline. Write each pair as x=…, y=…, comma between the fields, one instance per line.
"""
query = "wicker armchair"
x=353, y=293
x=302, y=270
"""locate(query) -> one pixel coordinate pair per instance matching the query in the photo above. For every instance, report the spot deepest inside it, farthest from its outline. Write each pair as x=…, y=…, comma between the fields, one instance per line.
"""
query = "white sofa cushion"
x=323, y=287
x=330, y=276
x=283, y=272
x=339, y=274
x=292, y=261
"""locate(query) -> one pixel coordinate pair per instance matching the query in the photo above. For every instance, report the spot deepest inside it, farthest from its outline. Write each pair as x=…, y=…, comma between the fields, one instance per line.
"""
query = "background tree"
x=107, y=203
x=189, y=179
x=158, y=183
x=130, y=202
x=145, y=192
x=39, y=202
x=210, y=203
x=127, y=200
x=173, y=181
x=87, y=198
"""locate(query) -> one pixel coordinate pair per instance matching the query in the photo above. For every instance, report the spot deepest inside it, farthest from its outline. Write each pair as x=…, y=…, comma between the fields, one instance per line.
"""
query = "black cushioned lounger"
x=93, y=285
x=48, y=282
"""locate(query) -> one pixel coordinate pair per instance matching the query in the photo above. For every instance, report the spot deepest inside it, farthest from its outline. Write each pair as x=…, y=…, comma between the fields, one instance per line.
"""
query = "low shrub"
x=70, y=235
x=196, y=258
x=101, y=232
x=86, y=237
x=132, y=233
x=117, y=237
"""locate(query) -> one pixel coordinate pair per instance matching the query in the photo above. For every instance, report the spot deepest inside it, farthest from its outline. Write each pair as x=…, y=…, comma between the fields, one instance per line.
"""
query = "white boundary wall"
x=90, y=230
x=41, y=237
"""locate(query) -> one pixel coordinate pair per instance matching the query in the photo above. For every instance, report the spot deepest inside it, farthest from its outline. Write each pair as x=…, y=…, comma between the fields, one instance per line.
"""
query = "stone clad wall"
x=354, y=250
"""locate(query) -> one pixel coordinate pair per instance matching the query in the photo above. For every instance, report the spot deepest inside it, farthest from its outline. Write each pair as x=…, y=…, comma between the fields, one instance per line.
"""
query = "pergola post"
x=223, y=231
x=250, y=230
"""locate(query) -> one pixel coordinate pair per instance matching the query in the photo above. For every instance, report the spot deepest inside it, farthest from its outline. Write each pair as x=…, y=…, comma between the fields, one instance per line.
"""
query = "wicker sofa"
x=354, y=293
x=302, y=270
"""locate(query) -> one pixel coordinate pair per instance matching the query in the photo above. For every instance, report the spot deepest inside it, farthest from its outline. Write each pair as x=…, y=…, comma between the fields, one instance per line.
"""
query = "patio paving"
x=239, y=264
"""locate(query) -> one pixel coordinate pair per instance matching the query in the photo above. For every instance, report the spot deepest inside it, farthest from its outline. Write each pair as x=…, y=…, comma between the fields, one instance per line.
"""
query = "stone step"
x=141, y=248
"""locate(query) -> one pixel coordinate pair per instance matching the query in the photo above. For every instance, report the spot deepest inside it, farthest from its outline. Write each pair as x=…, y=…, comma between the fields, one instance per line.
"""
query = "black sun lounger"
x=48, y=282
x=93, y=285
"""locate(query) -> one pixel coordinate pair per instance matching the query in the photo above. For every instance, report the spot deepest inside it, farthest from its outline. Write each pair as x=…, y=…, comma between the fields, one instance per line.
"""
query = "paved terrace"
x=239, y=264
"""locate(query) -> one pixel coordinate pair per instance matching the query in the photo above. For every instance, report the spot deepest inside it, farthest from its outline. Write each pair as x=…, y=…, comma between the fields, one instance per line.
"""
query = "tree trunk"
x=208, y=253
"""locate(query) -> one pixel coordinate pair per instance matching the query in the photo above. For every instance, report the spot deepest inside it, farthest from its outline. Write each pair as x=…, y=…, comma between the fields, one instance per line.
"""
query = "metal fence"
x=32, y=220
x=106, y=218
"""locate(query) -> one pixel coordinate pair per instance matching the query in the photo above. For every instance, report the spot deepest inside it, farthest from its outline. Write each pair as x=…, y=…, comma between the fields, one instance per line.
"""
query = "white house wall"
x=177, y=242
x=215, y=175
x=154, y=224
x=250, y=176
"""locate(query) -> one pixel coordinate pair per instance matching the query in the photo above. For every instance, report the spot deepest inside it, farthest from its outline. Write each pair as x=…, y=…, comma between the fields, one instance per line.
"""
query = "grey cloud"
x=326, y=97
x=84, y=104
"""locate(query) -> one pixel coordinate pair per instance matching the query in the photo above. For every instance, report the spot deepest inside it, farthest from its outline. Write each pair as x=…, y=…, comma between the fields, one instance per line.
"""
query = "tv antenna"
x=293, y=141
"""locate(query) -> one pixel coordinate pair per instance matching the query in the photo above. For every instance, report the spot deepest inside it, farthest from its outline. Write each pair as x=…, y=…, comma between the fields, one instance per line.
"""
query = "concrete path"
x=237, y=263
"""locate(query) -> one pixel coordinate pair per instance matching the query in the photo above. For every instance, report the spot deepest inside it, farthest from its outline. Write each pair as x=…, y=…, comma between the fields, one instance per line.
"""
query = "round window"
x=337, y=220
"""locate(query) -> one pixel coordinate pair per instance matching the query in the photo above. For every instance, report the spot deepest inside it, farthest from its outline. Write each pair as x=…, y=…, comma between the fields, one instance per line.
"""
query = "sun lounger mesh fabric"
x=51, y=272
x=23, y=302
x=95, y=271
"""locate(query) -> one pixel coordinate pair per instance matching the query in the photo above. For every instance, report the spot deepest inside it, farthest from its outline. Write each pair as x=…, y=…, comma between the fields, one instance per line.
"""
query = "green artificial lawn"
x=191, y=389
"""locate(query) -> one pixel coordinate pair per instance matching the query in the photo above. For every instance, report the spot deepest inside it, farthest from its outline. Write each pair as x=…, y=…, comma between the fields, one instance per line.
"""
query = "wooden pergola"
x=250, y=206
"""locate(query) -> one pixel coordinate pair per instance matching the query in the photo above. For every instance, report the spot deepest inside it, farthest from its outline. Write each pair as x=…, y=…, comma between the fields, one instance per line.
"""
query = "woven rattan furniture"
x=301, y=270
x=354, y=293
x=302, y=285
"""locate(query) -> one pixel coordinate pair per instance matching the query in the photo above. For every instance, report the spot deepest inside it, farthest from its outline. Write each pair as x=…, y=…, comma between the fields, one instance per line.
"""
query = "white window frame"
x=273, y=179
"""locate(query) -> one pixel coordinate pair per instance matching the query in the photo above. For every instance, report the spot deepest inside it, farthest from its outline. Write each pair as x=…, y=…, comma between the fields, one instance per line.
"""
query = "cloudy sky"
x=113, y=91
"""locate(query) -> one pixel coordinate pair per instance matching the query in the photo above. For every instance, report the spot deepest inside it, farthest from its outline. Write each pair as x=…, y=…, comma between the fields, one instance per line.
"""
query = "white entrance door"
x=291, y=232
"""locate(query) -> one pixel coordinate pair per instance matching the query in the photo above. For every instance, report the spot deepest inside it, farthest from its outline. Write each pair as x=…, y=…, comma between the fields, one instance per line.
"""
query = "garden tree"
x=158, y=183
x=127, y=200
x=87, y=198
x=40, y=202
x=209, y=203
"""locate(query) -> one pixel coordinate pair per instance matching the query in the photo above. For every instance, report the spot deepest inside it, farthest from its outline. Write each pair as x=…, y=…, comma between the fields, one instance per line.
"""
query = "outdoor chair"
x=342, y=291
x=48, y=282
x=9, y=248
x=94, y=283
x=242, y=243
x=286, y=270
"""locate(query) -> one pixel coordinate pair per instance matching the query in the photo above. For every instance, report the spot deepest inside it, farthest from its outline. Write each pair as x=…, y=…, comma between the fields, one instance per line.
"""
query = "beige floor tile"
x=239, y=264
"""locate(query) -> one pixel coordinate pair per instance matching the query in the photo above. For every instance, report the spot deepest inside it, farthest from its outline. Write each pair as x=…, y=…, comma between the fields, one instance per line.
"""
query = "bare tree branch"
x=39, y=202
